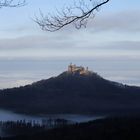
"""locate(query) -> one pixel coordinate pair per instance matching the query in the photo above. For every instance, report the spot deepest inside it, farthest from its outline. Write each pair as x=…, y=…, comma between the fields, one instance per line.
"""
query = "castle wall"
x=77, y=69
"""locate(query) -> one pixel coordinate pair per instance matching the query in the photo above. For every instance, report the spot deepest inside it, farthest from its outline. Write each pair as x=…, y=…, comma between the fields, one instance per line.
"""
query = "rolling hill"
x=72, y=93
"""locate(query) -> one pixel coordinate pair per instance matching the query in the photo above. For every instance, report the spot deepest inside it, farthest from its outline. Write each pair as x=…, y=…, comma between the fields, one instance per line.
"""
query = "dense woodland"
x=118, y=128
x=23, y=127
x=72, y=94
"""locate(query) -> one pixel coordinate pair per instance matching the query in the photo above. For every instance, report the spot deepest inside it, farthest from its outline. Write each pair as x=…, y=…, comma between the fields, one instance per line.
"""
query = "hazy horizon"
x=23, y=72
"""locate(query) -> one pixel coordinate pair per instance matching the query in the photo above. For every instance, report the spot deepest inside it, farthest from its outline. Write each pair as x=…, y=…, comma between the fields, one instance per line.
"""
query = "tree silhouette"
x=78, y=14
x=12, y=3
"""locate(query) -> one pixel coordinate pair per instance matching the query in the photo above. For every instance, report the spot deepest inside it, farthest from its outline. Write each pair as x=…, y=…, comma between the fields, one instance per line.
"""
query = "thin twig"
x=77, y=14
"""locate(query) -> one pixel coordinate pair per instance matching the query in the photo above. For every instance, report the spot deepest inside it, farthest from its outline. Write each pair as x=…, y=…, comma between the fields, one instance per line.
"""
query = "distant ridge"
x=75, y=91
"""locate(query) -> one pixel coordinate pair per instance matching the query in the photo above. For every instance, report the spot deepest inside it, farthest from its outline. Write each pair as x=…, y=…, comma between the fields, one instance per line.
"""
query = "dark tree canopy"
x=11, y=3
x=78, y=14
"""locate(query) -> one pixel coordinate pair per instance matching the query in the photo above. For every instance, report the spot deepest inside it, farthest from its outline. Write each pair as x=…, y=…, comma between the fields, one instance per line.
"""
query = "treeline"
x=120, y=128
x=12, y=128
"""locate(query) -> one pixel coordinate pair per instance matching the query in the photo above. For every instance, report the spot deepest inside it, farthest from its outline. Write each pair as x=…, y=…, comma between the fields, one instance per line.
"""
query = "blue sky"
x=110, y=44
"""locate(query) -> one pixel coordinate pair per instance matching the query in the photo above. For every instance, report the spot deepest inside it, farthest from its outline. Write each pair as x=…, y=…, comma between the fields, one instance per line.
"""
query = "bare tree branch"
x=12, y=3
x=78, y=14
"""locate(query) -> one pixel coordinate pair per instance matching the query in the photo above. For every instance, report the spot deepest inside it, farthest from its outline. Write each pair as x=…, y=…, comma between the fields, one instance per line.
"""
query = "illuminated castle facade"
x=78, y=69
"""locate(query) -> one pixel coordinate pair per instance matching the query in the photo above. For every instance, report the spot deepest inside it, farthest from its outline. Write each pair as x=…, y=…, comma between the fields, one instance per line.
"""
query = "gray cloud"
x=76, y=44
x=120, y=45
x=128, y=21
x=42, y=47
x=38, y=41
x=67, y=38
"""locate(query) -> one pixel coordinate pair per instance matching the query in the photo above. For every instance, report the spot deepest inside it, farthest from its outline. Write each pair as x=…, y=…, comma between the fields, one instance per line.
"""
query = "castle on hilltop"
x=78, y=69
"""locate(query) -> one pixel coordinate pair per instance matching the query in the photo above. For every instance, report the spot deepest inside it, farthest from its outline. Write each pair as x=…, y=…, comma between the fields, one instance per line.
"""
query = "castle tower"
x=70, y=68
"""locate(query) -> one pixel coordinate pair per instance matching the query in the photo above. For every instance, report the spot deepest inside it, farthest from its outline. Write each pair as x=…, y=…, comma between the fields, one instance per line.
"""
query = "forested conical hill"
x=72, y=93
